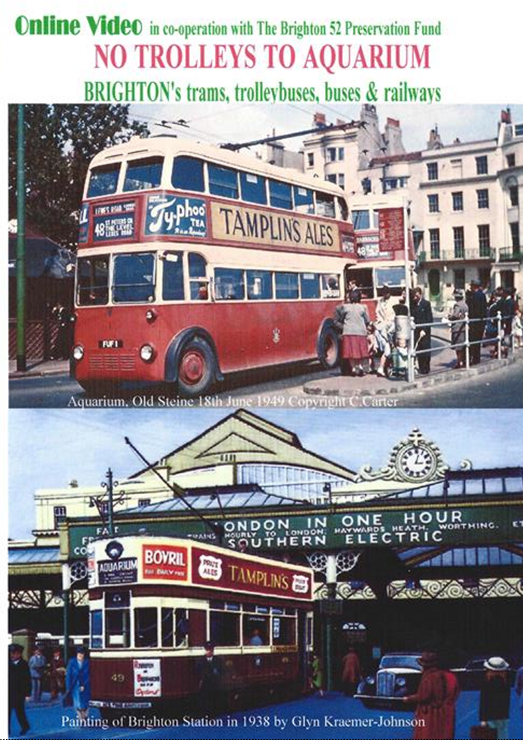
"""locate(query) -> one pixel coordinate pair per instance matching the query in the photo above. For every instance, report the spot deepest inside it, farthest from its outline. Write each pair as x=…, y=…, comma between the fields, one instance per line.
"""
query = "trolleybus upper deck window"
x=103, y=180
x=92, y=275
x=303, y=200
x=325, y=205
x=254, y=189
x=280, y=194
x=133, y=278
x=142, y=174
x=188, y=174
x=361, y=220
x=223, y=181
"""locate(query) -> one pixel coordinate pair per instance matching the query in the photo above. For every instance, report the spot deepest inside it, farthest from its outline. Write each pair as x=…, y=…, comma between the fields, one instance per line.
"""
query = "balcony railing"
x=510, y=254
x=456, y=255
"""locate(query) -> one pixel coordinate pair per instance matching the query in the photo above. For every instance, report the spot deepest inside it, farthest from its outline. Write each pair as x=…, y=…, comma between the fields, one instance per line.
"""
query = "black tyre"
x=329, y=348
x=196, y=368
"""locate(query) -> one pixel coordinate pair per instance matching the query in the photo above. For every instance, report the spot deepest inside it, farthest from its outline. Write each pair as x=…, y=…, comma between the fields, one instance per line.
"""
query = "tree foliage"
x=60, y=141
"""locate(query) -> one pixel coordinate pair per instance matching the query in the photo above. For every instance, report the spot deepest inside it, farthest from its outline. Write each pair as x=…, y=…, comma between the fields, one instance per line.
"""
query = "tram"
x=156, y=601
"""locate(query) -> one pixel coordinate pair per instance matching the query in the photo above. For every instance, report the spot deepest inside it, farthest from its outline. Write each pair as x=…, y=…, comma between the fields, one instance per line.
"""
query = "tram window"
x=310, y=285
x=283, y=631
x=142, y=174
x=103, y=180
x=254, y=189
x=310, y=631
x=280, y=194
x=146, y=627
x=287, y=287
x=229, y=284
x=325, y=204
x=173, y=288
x=181, y=622
x=96, y=629
x=133, y=278
x=330, y=286
x=92, y=281
x=361, y=220
x=255, y=630
x=303, y=200
x=188, y=174
x=225, y=628
x=167, y=624
x=198, y=282
x=117, y=630
x=259, y=285
x=223, y=181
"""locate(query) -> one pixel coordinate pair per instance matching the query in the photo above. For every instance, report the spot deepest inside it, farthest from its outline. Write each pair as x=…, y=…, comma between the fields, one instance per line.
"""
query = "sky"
x=218, y=123
x=48, y=448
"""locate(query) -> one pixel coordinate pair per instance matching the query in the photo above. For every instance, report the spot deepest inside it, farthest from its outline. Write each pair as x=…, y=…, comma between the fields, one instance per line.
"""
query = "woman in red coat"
x=432, y=713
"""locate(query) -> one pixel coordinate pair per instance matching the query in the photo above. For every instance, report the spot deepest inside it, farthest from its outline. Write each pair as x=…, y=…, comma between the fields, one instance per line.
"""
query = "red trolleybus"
x=155, y=601
x=194, y=261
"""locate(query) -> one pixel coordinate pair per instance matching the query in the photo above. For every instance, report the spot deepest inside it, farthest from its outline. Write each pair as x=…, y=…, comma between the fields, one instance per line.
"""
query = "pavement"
x=38, y=368
x=333, y=716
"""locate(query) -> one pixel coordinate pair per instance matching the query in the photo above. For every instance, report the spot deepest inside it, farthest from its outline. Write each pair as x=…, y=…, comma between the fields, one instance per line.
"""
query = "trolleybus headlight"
x=78, y=352
x=147, y=353
x=150, y=315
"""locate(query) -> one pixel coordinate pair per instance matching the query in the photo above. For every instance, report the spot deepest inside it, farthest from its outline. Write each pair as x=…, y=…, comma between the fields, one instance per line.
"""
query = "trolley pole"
x=21, y=363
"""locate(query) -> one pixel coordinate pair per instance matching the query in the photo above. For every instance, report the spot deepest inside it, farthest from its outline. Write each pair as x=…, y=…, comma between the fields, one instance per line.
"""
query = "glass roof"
x=474, y=485
x=24, y=555
x=464, y=556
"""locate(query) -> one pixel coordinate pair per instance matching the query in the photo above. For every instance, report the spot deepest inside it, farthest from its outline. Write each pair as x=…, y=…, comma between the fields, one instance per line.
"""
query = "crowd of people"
x=381, y=346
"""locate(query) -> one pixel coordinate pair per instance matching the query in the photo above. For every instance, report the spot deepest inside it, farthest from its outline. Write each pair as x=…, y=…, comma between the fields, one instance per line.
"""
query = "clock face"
x=416, y=463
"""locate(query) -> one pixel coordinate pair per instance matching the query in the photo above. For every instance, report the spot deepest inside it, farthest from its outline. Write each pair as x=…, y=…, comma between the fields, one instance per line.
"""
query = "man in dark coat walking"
x=422, y=314
x=477, y=304
x=19, y=686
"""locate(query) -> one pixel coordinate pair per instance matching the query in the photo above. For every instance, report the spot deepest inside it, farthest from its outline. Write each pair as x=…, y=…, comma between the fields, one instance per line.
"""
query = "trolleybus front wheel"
x=196, y=368
x=329, y=348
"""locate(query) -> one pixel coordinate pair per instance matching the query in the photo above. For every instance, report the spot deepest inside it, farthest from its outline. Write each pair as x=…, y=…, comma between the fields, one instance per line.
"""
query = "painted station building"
x=402, y=554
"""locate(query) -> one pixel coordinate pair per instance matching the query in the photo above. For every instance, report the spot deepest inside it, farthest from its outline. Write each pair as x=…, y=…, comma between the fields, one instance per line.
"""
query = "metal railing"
x=497, y=341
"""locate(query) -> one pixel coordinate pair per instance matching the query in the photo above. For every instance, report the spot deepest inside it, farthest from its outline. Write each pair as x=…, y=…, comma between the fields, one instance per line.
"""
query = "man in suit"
x=422, y=314
x=477, y=304
x=209, y=675
x=19, y=686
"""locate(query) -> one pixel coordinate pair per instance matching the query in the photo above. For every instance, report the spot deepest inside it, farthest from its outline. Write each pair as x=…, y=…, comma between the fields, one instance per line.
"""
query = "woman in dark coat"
x=457, y=316
x=78, y=683
x=352, y=320
x=494, y=702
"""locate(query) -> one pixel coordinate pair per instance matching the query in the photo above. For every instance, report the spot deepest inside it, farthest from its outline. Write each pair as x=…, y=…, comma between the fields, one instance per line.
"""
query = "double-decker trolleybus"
x=155, y=601
x=383, y=246
x=195, y=261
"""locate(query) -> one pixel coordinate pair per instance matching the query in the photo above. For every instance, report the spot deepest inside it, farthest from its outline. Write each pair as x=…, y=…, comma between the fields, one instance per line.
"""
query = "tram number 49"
x=118, y=677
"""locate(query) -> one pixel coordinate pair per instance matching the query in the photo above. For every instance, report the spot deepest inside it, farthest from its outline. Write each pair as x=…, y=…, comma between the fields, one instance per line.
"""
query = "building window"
x=484, y=240
x=60, y=514
x=341, y=154
x=331, y=178
x=331, y=154
x=518, y=129
x=432, y=171
x=457, y=201
x=483, y=201
x=434, y=244
x=459, y=279
x=341, y=180
x=394, y=183
x=459, y=242
x=513, y=195
x=514, y=233
x=433, y=203
x=482, y=165
x=310, y=159
x=511, y=160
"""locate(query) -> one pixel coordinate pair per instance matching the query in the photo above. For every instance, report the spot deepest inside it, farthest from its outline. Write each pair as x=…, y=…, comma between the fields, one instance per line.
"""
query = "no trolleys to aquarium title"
x=155, y=601
x=194, y=262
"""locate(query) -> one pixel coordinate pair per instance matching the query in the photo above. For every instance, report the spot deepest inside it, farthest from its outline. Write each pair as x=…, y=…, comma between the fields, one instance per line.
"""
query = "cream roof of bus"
x=167, y=146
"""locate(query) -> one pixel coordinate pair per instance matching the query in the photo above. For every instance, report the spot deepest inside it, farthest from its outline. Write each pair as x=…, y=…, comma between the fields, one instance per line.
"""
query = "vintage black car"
x=398, y=675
